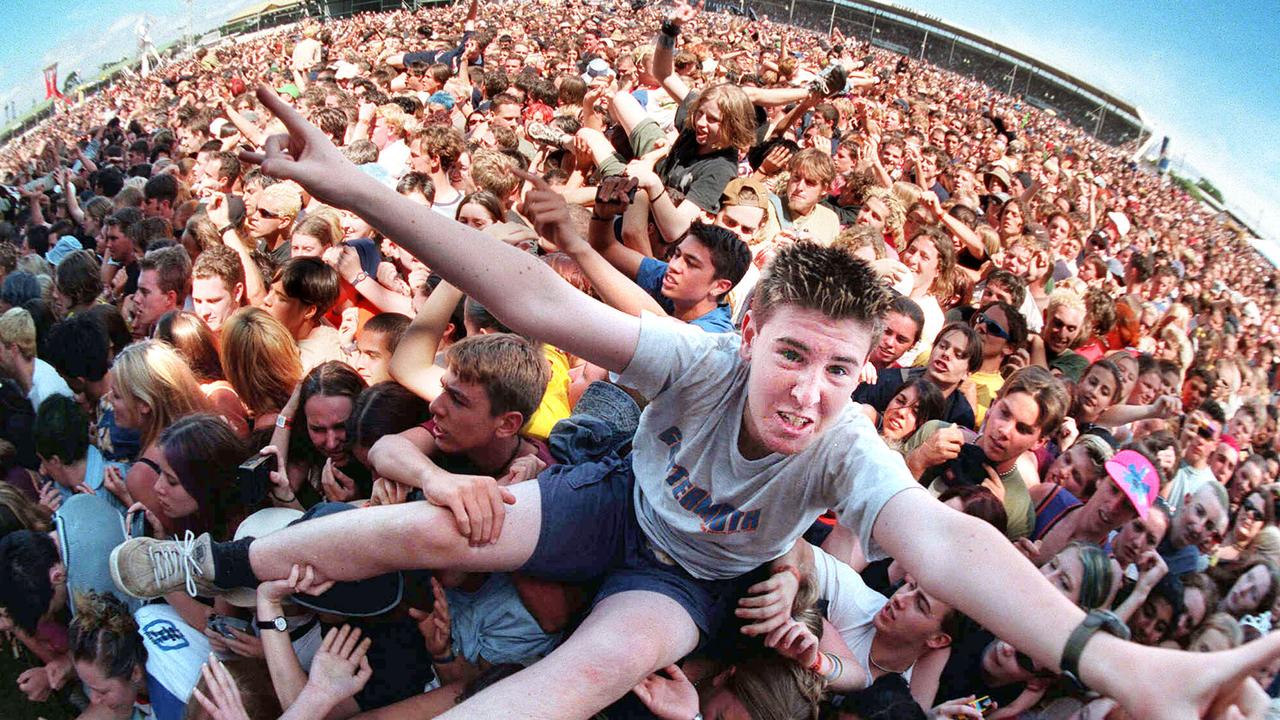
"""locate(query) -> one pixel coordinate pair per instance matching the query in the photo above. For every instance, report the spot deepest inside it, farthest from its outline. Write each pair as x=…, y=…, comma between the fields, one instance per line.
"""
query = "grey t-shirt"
x=718, y=514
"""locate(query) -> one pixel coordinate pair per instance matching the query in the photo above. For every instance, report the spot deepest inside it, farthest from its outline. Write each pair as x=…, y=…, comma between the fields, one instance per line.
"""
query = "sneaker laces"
x=175, y=557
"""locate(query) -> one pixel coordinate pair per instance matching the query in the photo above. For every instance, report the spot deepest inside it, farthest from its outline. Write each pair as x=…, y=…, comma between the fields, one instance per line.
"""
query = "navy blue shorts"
x=590, y=533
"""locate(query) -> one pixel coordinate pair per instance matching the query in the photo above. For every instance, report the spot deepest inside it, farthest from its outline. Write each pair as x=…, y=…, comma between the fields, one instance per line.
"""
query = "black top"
x=956, y=409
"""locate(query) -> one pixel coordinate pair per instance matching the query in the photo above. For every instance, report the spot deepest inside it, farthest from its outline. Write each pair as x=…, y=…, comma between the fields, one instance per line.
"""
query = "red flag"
x=51, y=82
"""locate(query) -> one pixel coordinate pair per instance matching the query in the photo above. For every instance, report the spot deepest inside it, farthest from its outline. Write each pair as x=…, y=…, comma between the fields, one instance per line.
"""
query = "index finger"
x=294, y=122
x=537, y=182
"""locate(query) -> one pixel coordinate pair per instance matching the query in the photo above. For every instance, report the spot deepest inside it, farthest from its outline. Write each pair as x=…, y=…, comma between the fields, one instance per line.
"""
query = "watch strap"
x=1093, y=622
x=279, y=624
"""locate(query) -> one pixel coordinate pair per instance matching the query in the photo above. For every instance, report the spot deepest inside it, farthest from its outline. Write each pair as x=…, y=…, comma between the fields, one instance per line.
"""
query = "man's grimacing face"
x=804, y=369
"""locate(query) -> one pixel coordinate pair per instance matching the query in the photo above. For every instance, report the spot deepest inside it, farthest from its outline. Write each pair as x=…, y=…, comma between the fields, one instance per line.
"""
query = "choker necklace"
x=871, y=656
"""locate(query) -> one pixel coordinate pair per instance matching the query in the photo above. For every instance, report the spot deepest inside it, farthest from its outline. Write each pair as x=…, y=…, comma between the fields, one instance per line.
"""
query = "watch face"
x=281, y=624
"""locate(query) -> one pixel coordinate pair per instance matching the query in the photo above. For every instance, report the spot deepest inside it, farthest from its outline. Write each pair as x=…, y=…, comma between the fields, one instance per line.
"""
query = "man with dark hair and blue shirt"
x=694, y=286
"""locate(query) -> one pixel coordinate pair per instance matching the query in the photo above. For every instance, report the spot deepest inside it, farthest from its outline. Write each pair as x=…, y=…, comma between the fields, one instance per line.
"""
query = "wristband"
x=284, y=422
x=1093, y=622
x=598, y=218
x=659, y=195
x=360, y=277
x=791, y=569
x=670, y=29
x=225, y=229
x=286, y=501
x=444, y=660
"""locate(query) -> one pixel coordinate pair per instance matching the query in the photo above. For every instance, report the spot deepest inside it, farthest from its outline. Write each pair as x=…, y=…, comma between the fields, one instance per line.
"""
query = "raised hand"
x=683, y=12
x=775, y=160
x=341, y=668
x=548, y=211
x=436, y=626
x=223, y=701
x=614, y=194
x=304, y=154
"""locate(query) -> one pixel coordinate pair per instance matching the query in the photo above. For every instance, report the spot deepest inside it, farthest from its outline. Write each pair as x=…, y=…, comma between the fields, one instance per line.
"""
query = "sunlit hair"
x=512, y=371
x=260, y=359
x=105, y=635
x=737, y=116
x=188, y=334
x=829, y=280
x=1048, y=391
x=154, y=374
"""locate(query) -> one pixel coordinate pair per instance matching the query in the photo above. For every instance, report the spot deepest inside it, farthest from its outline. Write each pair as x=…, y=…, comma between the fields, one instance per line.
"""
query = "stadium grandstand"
x=920, y=36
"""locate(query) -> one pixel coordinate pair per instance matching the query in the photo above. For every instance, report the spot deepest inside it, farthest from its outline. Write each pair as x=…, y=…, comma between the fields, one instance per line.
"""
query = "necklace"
x=871, y=655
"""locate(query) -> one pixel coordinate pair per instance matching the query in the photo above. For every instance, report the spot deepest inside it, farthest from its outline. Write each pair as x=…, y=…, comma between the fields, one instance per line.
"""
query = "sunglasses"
x=992, y=327
x=267, y=214
x=1254, y=512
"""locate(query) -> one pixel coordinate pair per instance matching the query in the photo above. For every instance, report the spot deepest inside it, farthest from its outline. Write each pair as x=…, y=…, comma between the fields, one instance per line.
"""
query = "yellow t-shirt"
x=555, y=401
x=988, y=385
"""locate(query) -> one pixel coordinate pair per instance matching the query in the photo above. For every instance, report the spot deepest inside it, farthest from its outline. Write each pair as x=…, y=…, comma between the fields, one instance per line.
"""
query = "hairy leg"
x=415, y=535
x=624, y=639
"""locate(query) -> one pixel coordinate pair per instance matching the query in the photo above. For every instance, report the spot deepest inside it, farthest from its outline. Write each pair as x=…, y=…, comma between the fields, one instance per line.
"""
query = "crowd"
x=674, y=363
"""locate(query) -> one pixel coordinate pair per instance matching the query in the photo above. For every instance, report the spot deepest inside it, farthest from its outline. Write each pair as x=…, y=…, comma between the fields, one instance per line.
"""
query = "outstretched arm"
x=524, y=293
x=968, y=564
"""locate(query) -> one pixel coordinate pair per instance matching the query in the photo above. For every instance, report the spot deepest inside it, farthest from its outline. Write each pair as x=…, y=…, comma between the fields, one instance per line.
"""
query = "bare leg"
x=383, y=539
x=602, y=152
x=626, y=637
x=627, y=110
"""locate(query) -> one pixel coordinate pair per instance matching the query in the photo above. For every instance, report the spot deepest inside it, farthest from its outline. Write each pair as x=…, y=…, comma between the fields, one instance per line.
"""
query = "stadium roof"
x=261, y=7
x=935, y=23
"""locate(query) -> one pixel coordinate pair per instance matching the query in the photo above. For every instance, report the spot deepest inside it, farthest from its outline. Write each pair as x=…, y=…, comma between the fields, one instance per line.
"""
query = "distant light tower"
x=191, y=36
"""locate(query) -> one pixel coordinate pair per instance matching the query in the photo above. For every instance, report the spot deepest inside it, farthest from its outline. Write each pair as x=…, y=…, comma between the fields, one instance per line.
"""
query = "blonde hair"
x=493, y=171
x=261, y=359
x=1065, y=298
x=27, y=513
x=324, y=225
x=153, y=373
x=907, y=193
x=18, y=328
x=1223, y=623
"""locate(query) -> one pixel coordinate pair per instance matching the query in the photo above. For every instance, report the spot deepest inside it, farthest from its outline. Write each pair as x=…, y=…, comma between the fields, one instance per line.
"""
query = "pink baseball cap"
x=1137, y=478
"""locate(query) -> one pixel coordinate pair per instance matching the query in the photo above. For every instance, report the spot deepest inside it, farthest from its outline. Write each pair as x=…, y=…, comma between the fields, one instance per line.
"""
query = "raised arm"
x=519, y=289
x=413, y=364
x=665, y=48
x=614, y=287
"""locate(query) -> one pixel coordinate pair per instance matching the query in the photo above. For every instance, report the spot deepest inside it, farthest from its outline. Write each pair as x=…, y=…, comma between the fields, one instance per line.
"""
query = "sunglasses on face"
x=991, y=326
x=266, y=214
x=1253, y=512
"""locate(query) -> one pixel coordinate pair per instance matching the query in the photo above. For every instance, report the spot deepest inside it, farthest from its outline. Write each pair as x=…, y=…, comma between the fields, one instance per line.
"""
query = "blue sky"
x=1207, y=74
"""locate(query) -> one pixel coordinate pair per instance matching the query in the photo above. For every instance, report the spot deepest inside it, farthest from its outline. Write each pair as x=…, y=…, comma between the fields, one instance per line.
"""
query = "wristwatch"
x=283, y=421
x=1093, y=622
x=279, y=624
